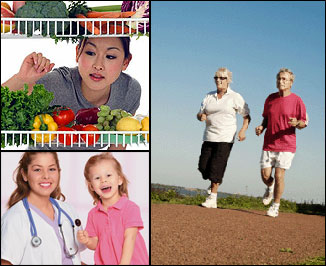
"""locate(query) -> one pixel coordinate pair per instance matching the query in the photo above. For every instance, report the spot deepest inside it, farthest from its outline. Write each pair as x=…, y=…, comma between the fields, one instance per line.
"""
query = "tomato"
x=78, y=127
x=90, y=138
x=63, y=116
x=68, y=138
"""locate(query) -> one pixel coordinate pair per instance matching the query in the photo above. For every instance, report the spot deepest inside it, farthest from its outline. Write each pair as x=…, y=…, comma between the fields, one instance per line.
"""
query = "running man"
x=284, y=111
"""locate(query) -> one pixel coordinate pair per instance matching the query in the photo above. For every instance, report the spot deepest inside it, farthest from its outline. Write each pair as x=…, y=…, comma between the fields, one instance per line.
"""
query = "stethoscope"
x=36, y=240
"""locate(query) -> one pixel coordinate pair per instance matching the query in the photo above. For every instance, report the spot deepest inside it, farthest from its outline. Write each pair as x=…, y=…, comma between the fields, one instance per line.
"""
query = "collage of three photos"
x=75, y=138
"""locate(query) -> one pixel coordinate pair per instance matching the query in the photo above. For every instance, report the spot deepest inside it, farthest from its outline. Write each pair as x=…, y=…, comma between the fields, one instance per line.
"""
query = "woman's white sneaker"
x=210, y=202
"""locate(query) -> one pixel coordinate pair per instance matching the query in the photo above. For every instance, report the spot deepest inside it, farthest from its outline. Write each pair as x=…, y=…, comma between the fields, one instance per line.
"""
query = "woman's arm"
x=32, y=69
x=242, y=132
x=128, y=245
x=201, y=117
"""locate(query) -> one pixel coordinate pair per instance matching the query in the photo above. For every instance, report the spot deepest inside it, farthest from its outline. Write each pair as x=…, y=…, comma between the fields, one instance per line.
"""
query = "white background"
x=13, y=52
x=135, y=166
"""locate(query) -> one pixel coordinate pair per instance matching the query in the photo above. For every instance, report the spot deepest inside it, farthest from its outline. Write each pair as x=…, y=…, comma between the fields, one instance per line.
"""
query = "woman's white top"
x=221, y=122
x=16, y=246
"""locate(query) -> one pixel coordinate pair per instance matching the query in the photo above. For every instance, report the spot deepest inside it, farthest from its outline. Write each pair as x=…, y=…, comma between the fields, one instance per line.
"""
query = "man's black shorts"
x=213, y=160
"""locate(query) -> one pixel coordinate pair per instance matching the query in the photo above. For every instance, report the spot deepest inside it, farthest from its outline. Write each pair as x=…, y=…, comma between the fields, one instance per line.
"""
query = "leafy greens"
x=18, y=110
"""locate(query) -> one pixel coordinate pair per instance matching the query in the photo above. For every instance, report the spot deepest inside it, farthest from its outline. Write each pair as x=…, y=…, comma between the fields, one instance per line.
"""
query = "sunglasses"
x=221, y=78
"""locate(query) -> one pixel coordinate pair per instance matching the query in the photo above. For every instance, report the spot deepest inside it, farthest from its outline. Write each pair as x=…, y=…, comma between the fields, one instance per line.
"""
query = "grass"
x=314, y=261
x=235, y=202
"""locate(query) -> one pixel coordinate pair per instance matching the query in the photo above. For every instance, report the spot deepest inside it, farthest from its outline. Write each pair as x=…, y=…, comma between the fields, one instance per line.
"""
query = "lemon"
x=145, y=126
x=128, y=124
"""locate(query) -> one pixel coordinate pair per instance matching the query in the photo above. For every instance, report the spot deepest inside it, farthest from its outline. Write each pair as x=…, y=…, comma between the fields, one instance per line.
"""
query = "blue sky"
x=190, y=40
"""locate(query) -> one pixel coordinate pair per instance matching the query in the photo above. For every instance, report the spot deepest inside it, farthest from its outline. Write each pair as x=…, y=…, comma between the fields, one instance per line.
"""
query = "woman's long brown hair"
x=123, y=189
x=23, y=187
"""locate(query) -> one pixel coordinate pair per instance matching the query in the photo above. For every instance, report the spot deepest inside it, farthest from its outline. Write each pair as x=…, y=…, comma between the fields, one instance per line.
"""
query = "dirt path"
x=184, y=234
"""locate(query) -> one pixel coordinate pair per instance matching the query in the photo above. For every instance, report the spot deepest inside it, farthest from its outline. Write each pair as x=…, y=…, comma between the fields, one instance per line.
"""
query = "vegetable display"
x=67, y=138
x=6, y=12
x=73, y=30
x=23, y=112
x=42, y=9
x=108, y=119
x=90, y=138
x=141, y=9
x=44, y=122
x=87, y=116
x=63, y=116
x=18, y=109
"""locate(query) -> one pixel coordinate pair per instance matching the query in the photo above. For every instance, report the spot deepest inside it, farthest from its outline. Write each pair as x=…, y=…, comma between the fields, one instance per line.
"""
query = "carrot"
x=89, y=25
x=121, y=15
x=117, y=30
x=94, y=14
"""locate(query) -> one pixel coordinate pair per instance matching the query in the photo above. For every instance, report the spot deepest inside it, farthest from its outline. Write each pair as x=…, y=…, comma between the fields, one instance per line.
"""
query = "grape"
x=99, y=127
x=105, y=108
x=101, y=119
x=108, y=119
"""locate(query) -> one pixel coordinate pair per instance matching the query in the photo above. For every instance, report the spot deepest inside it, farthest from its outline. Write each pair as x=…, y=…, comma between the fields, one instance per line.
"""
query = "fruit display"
x=22, y=112
x=128, y=124
x=145, y=126
x=108, y=119
x=6, y=12
x=44, y=122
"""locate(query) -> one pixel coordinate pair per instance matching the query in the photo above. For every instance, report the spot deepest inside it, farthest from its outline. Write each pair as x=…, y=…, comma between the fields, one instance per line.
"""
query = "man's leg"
x=279, y=184
x=266, y=175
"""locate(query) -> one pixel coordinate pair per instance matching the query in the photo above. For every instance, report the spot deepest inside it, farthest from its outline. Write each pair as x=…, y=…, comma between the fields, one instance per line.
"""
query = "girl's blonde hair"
x=123, y=188
x=23, y=187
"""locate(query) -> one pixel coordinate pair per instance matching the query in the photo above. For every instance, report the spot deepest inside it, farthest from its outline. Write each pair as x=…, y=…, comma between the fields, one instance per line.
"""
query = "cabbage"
x=142, y=11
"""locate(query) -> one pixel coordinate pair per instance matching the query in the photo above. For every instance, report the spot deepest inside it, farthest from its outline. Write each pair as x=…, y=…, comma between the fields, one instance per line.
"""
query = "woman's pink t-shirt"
x=109, y=226
x=280, y=135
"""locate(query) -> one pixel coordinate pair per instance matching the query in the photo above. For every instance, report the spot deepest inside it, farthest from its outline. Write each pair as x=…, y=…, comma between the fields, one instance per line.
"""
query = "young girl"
x=30, y=232
x=113, y=226
x=98, y=79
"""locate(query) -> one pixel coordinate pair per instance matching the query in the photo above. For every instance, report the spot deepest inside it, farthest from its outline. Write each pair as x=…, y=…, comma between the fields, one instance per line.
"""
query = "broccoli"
x=42, y=9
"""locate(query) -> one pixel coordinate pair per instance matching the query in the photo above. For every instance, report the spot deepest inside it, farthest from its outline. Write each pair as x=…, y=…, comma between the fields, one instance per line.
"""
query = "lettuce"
x=18, y=110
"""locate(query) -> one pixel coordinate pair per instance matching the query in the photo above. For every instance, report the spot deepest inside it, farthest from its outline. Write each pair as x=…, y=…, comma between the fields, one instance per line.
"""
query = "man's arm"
x=299, y=124
x=261, y=128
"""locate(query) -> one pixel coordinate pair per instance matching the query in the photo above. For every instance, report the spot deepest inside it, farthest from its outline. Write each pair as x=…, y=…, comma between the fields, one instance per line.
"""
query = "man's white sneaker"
x=268, y=196
x=210, y=202
x=273, y=210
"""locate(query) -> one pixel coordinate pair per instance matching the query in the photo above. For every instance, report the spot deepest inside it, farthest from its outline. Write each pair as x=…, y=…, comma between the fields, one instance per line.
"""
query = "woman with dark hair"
x=97, y=80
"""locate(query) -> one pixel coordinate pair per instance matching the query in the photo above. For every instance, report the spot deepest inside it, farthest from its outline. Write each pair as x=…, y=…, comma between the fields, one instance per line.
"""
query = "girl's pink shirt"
x=109, y=226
